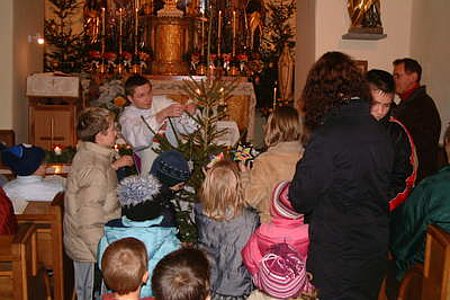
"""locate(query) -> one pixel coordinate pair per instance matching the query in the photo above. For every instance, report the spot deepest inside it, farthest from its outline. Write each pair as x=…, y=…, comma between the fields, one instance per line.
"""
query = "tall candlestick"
x=208, y=54
x=203, y=38
x=219, y=33
x=103, y=32
x=136, y=26
x=120, y=32
x=234, y=35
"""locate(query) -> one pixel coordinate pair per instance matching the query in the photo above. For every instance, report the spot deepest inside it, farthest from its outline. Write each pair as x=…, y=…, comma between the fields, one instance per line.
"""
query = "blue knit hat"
x=23, y=159
x=171, y=168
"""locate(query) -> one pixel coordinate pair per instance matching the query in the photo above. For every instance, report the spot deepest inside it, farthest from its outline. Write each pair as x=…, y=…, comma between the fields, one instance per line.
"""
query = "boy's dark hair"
x=182, y=275
x=124, y=264
x=381, y=80
x=92, y=121
x=133, y=82
x=411, y=66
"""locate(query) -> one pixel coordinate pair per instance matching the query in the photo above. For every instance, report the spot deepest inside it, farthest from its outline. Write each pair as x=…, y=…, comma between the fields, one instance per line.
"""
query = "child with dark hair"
x=124, y=266
x=143, y=219
x=31, y=184
x=182, y=275
x=156, y=111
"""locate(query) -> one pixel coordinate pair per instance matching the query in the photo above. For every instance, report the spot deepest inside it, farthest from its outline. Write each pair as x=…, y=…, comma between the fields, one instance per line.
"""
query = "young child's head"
x=171, y=169
x=281, y=206
x=124, y=266
x=182, y=275
x=283, y=125
x=24, y=160
x=221, y=193
x=96, y=124
x=138, y=197
x=138, y=90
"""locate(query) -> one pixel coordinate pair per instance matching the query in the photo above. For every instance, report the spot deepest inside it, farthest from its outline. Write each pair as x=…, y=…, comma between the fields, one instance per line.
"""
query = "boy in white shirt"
x=156, y=110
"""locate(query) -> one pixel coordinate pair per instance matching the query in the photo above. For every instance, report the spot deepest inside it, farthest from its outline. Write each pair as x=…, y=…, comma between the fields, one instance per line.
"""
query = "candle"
x=219, y=33
x=120, y=21
x=274, y=97
x=57, y=150
x=103, y=21
x=234, y=34
x=136, y=22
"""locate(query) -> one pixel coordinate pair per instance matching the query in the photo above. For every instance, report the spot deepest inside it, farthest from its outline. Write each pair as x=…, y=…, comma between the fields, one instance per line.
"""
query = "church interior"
x=263, y=58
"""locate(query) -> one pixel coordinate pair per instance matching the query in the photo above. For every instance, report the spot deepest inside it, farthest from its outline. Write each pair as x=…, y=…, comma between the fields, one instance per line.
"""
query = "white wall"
x=18, y=58
x=321, y=24
x=27, y=59
x=332, y=21
x=430, y=45
x=415, y=28
x=6, y=62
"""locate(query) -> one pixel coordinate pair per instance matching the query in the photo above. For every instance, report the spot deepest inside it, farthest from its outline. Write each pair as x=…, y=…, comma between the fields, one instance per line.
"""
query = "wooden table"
x=48, y=217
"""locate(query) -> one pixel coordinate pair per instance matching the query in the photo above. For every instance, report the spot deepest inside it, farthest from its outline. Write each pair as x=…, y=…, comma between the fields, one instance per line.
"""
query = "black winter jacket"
x=342, y=183
x=421, y=117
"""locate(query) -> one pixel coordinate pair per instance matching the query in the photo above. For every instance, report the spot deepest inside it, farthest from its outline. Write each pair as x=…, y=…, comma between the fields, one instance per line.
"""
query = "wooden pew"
x=18, y=262
x=48, y=218
x=411, y=285
x=436, y=271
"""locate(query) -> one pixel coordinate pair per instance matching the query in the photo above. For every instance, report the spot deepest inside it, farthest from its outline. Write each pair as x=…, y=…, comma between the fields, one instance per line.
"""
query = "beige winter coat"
x=90, y=200
x=276, y=164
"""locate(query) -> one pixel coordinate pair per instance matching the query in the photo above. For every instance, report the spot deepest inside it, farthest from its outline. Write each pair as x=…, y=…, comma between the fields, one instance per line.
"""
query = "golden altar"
x=240, y=106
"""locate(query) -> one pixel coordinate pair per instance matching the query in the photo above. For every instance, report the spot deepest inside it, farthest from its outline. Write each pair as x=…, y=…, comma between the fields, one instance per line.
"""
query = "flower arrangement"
x=111, y=96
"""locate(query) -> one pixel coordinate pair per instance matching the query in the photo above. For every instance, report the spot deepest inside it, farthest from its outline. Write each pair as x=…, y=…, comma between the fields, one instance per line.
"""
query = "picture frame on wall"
x=362, y=65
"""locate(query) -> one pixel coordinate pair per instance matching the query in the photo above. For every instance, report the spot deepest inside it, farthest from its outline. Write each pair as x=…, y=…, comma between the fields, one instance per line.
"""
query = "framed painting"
x=362, y=65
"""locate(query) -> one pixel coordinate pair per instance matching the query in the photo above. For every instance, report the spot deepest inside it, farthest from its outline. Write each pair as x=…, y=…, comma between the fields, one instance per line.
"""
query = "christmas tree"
x=201, y=146
x=65, y=51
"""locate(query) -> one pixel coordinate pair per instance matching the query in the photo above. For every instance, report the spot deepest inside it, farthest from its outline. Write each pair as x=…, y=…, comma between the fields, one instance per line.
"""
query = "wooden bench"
x=48, y=218
x=18, y=262
x=436, y=269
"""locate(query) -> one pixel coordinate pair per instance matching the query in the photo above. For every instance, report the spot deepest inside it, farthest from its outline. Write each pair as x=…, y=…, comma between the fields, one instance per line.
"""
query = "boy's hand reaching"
x=123, y=161
x=173, y=110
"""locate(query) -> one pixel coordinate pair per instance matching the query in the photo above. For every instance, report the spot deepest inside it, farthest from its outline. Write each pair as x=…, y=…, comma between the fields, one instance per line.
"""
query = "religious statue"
x=254, y=10
x=91, y=24
x=365, y=16
x=193, y=8
x=286, y=73
x=147, y=6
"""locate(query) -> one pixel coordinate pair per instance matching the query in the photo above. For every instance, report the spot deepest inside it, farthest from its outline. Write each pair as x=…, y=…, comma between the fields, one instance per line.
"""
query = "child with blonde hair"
x=224, y=227
x=282, y=137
